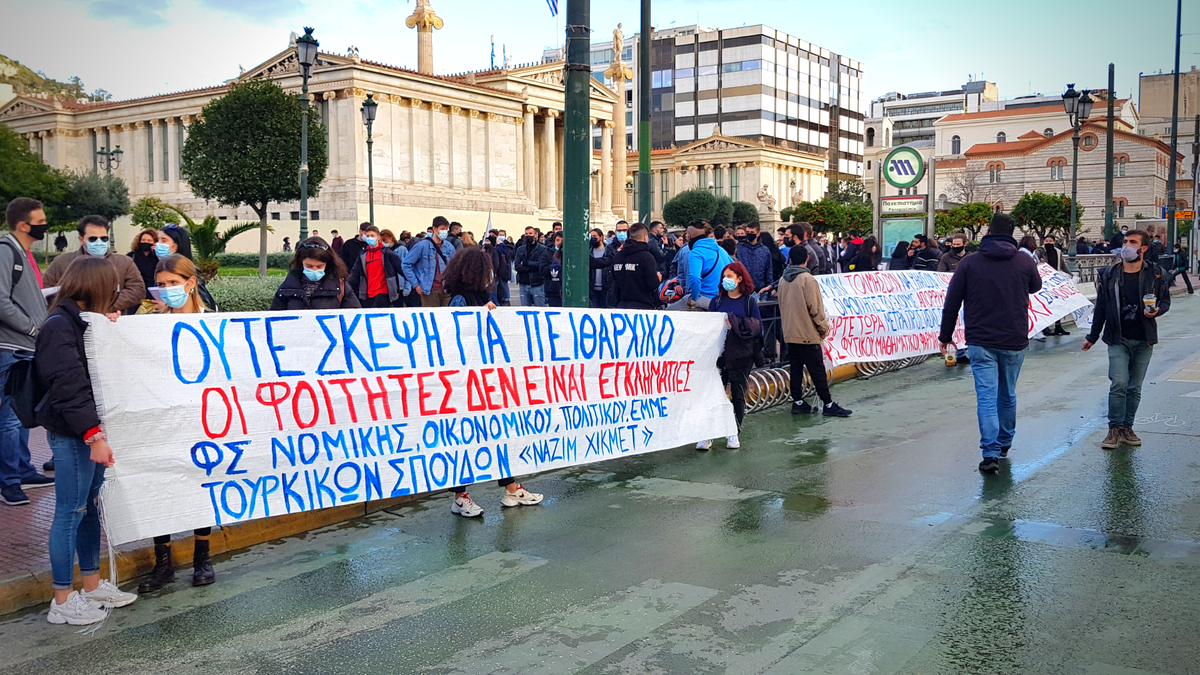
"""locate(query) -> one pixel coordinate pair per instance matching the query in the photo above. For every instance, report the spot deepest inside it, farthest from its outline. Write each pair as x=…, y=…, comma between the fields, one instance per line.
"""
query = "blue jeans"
x=1127, y=364
x=995, y=372
x=14, y=438
x=500, y=295
x=76, y=525
x=533, y=296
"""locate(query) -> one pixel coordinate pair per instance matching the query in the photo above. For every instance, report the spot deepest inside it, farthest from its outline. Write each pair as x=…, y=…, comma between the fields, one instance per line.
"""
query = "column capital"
x=29, y=136
x=493, y=117
x=607, y=124
x=473, y=114
x=455, y=110
x=552, y=113
x=187, y=119
x=531, y=110
x=592, y=121
x=740, y=165
x=725, y=165
x=155, y=123
x=43, y=134
x=435, y=106
x=170, y=121
x=415, y=102
x=328, y=94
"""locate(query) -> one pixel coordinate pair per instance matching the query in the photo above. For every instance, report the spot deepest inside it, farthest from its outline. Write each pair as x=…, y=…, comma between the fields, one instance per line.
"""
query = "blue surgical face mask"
x=729, y=284
x=370, y=241
x=314, y=275
x=162, y=250
x=173, y=296
x=622, y=235
x=97, y=248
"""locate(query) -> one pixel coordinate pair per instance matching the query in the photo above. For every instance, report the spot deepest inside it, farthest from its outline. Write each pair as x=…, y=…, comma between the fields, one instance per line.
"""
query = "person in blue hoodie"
x=993, y=288
x=705, y=262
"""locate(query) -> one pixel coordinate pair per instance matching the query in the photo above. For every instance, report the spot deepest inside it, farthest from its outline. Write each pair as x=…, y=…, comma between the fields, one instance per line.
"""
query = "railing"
x=1087, y=265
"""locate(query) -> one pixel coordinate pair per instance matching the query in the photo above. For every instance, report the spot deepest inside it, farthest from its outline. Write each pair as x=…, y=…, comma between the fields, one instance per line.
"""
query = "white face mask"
x=1130, y=253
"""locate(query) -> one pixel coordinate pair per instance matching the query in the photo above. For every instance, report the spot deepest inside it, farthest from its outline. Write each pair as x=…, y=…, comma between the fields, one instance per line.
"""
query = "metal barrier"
x=772, y=386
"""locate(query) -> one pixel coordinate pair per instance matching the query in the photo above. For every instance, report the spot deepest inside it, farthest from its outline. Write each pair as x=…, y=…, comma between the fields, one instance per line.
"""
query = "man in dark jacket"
x=958, y=250
x=853, y=243
x=635, y=271
x=532, y=262
x=1130, y=328
x=353, y=248
x=600, y=274
x=501, y=266
x=755, y=255
x=921, y=255
x=993, y=288
x=803, y=232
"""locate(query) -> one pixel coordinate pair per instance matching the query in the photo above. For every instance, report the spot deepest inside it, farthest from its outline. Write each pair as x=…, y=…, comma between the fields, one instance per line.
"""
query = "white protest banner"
x=883, y=316
x=223, y=418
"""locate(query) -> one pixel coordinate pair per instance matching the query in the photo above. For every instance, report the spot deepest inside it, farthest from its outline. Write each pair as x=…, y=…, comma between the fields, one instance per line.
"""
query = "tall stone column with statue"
x=424, y=20
x=619, y=72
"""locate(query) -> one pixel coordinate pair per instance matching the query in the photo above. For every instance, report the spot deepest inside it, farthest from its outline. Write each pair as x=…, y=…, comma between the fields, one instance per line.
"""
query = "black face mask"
x=38, y=232
x=957, y=249
x=595, y=242
x=751, y=238
x=144, y=247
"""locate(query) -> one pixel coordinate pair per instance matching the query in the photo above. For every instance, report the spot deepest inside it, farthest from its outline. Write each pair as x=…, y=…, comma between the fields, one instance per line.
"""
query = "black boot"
x=202, y=571
x=163, y=572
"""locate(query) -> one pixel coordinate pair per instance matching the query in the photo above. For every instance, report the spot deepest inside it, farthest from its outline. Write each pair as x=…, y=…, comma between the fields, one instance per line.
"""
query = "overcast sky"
x=136, y=48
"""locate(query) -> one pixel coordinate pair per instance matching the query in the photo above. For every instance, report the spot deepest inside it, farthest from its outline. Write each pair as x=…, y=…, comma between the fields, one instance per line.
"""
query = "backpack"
x=25, y=391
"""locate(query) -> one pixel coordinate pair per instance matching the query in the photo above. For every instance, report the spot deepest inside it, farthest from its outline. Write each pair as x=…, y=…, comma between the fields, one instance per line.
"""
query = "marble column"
x=156, y=182
x=530, y=163
x=606, y=167
x=424, y=20
x=620, y=150
x=549, y=174
x=172, y=127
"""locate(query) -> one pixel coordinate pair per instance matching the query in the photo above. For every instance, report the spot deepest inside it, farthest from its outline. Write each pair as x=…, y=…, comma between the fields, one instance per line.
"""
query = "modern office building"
x=912, y=115
x=751, y=82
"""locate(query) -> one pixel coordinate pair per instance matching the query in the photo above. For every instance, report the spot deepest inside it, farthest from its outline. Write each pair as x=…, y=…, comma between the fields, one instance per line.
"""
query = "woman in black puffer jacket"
x=315, y=280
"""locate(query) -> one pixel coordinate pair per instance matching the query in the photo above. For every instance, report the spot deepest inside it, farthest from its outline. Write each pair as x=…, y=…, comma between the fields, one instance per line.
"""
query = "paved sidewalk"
x=23, y=538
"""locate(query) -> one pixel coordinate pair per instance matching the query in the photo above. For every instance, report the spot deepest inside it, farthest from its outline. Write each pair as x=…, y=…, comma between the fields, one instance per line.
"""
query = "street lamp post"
x=110, y=159
x=1078, y=107
x=369, y=108
x=306, y=54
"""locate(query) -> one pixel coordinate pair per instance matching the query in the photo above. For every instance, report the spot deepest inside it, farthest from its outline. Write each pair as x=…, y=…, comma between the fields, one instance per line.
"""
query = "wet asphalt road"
x=865, y=545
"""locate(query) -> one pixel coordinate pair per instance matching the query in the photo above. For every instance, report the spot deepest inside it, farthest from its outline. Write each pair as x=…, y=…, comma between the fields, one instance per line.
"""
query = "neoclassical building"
x=470, y=146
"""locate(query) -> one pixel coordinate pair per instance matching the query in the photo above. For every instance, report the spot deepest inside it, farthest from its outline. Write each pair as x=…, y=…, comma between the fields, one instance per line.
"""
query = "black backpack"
x=23, y=388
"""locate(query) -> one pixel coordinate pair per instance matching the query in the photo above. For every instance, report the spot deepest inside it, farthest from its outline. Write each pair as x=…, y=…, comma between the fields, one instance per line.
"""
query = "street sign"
x=896, y=230
x=898, y=206
x=1179, y=215
x=904, y=167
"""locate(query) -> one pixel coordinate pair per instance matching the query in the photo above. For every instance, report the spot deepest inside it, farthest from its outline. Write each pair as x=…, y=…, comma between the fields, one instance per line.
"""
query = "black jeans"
x=810, y=357
x=737, y=378
x=597, y=298
x=166, y=538
x=1187, y=280
x=503, y=482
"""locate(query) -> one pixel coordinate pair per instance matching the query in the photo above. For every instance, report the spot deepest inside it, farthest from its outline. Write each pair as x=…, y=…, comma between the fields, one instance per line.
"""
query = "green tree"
x=153, y=212
x=90, y=193
x=859, y=217
x=723, y=214
x=23, y=174
x=785, y=214
x=848, y=192
x=689, y=205
x=970, y=218
x=744, y=212
x=825, y=215
x=1045, y=214
x=246, y=150
x=207, y=244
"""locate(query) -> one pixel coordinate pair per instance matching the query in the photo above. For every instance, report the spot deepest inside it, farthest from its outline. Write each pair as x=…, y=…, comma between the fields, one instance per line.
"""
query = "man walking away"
x=425, y=263
x=1181, y=267
x=635, y=271
x=804, y=327
x=819, y=262
x=22, y=311
x=993, y=288
x=532, y=262
x=1129, y=320
x=94, y=237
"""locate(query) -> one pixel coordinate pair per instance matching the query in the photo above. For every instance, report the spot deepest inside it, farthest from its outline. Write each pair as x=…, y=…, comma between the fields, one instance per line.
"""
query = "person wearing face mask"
x=532, y=262
x=1118, y=240
x=600, y=279
x=375, y=278
x=743, y=341
x=1130, y=297
x=22, y=311
x=958, y=250
x=554, y=272
x=315, y=280
x=142, y=255
x=1180, y=268
x=426, y=261
x=94, y=238
x=179, y=288
x=352, y=248
x=1054, y=257
x=635, y=272
x=755, y=255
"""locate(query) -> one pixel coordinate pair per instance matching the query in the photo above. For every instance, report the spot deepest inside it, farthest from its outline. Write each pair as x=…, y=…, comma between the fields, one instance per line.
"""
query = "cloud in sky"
x=135, y=13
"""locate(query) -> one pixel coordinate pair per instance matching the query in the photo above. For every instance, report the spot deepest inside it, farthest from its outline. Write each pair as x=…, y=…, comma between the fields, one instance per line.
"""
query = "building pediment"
x=717, y=142
x=548, y=75
x=285, y=62
x=22, y=106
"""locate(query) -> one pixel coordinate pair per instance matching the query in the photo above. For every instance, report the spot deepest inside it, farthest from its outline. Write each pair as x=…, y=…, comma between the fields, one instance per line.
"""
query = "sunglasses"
x=307, y=244
x=95, y=239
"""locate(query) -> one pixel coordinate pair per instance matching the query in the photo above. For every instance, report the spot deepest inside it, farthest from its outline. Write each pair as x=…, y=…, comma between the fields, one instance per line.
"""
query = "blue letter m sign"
x=903, y=167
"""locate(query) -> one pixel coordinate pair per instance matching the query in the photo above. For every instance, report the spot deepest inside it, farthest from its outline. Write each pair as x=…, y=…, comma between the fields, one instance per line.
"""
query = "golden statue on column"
x=424, y=20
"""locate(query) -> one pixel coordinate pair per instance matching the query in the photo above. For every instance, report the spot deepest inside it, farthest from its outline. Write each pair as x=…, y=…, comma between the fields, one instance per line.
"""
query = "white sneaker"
x=463, y=506
x=521, y=497
x=75, y=611
x=732, y=442
x=108, y=596
x=704, y=445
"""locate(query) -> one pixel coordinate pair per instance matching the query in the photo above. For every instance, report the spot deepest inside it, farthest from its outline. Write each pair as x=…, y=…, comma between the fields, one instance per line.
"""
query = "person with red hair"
x=743, y=340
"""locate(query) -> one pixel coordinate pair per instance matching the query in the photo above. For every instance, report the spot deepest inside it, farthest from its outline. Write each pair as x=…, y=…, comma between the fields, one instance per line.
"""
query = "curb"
x=21, y=590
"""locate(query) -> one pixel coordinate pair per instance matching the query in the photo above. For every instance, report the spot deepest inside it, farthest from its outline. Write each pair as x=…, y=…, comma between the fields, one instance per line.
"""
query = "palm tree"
x=207, y=243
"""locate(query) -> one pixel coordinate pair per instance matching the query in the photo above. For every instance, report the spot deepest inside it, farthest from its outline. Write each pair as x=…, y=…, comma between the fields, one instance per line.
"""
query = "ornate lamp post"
x=110, y=159
x=306, y=54
x=1079, y=108
x=369, y=108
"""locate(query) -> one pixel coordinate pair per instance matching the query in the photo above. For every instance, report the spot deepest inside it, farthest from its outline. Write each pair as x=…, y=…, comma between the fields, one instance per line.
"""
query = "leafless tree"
x=967, y=186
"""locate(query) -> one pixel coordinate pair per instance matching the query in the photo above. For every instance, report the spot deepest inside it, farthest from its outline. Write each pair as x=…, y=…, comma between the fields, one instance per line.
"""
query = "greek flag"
x=553, y=7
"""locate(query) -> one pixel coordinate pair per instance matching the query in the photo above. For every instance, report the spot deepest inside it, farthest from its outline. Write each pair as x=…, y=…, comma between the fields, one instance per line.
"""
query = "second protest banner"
x=222, y=418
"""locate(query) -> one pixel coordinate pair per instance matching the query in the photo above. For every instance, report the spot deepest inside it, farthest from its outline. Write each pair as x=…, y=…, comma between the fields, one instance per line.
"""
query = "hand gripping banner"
x=222, y=418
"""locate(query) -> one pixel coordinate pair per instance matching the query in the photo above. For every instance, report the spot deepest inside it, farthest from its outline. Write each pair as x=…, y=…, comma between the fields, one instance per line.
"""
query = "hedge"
x=279, y=260
x=244, y=294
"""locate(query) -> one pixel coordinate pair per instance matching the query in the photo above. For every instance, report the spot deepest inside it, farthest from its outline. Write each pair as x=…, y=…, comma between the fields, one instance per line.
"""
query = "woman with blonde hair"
x=178, y=287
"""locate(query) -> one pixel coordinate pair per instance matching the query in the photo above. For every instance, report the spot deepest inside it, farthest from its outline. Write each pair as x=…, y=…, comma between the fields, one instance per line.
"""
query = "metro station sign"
x=895, y=206
x=904, y=167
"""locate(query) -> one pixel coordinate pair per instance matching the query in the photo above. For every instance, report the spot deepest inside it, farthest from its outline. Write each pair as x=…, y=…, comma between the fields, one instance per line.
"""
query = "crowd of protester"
x=751, y=276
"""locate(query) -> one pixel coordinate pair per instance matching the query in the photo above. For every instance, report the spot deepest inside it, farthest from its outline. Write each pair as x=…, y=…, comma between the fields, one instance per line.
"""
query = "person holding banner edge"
x=81, y=451
x=179, y=284
x=469, y=279
x=993, y=288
